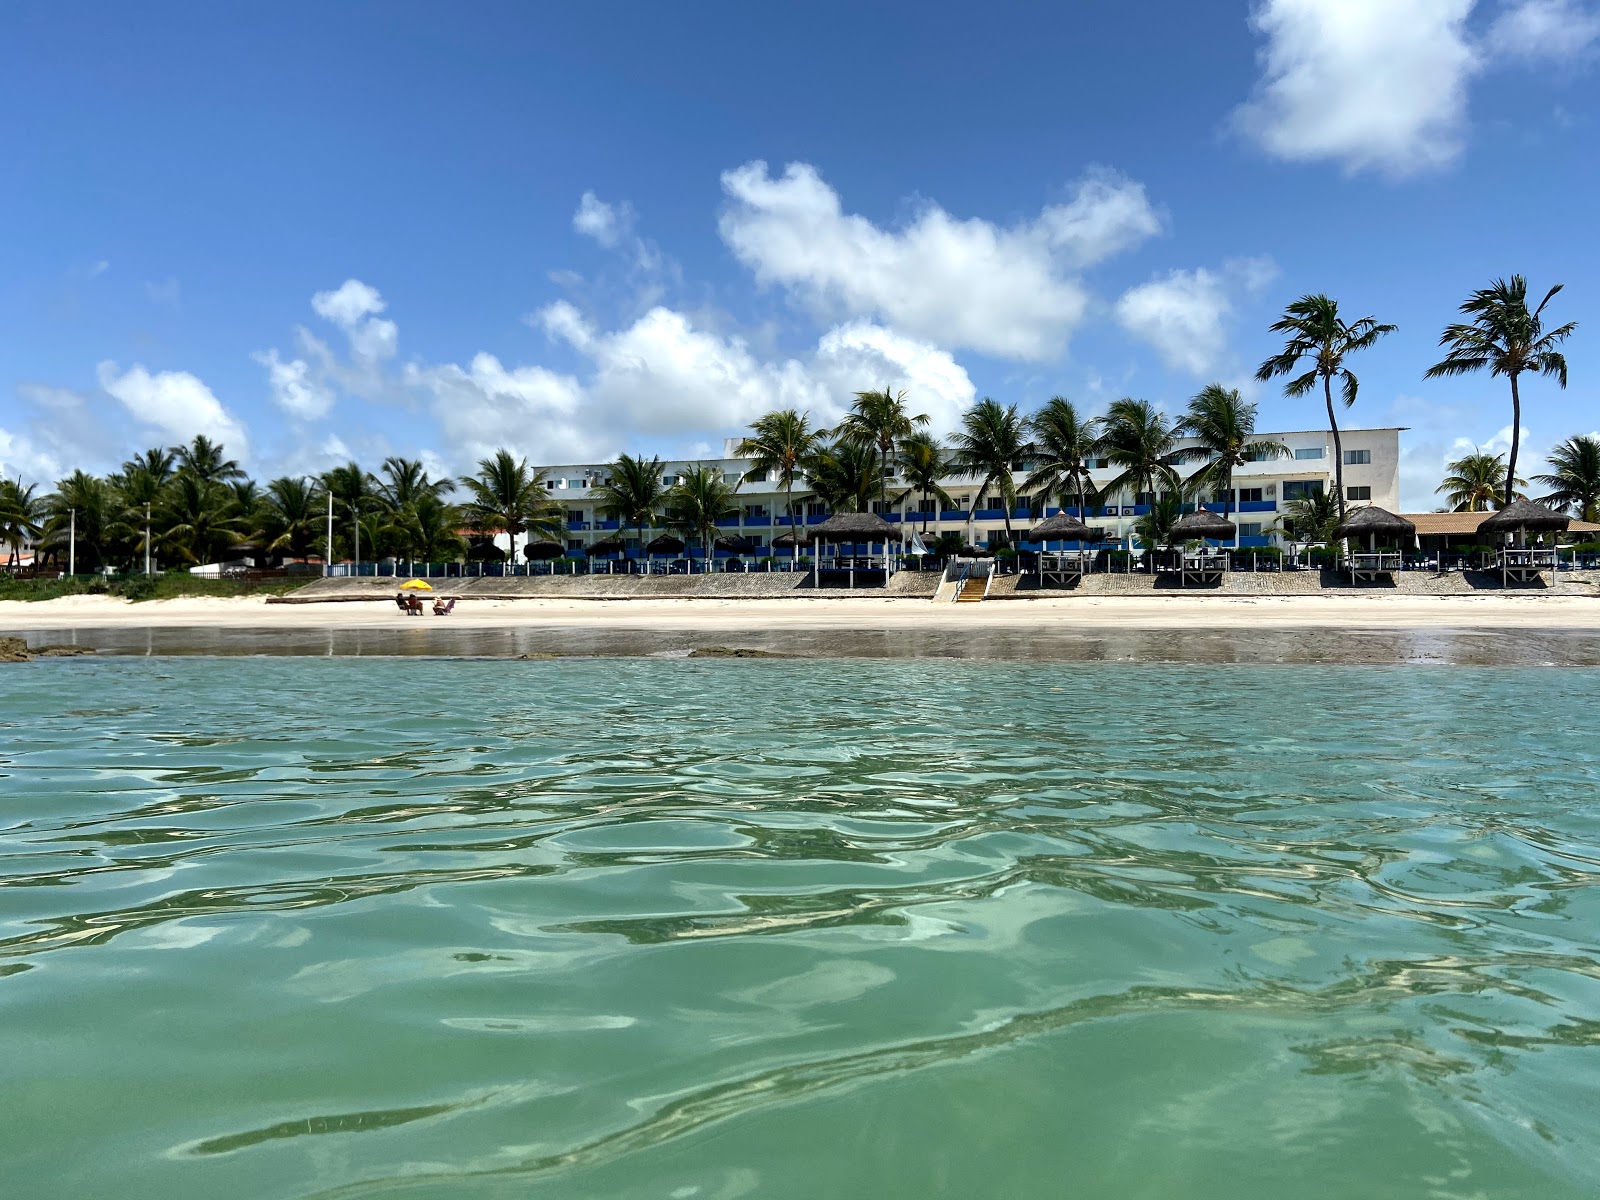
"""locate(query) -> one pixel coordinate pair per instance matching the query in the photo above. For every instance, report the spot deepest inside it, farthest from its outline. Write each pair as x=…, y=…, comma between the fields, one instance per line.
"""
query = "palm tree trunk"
x=1516, y=440
x=788, y=505
x=1338, y=446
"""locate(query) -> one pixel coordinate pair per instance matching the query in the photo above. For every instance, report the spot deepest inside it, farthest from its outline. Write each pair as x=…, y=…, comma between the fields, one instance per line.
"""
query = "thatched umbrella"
x=485, y=551
x=607, y=545
x=852, y=527
x=1202, y=524
x=787, y=541
x=543, y=551
x=665, y=544
x=1060, y=528
x=735, y=544
x=1374, y=522
x=1520, y=516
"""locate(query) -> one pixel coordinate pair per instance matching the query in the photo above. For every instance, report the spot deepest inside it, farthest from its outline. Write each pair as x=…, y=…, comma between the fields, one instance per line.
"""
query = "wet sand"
x=1523, y=629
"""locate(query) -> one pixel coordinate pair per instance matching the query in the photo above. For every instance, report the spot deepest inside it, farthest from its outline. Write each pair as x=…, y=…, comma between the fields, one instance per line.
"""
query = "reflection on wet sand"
x=1463, y=646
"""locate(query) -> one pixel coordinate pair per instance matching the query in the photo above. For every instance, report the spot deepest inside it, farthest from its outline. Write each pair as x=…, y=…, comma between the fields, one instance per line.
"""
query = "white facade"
x=1371, y=476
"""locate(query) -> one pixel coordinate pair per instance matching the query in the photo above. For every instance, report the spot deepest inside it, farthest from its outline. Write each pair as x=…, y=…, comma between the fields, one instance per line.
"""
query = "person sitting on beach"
x=440, y=608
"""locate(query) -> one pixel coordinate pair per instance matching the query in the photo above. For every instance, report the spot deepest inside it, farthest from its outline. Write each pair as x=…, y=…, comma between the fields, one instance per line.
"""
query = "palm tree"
x=83, y=509
x=922, y=461
x=355, y=495
x=199, y=518
x=1509, y=340
x=289, y=517
x=1063, y=444
x=842, y=476
x=633, y=493
x=405, y=480
x=1473, y=481
x=505, y=496
x=991, y=443
x=204, y=459
x=1574, y=477
x=1224, y=426
x=779, y=444
x=157, y=462
x=1312, y=518
x=21, y=517
x=695, y=505
x=427, y=530
x=1155, y=527
x=879, y=420
x=1317, y=333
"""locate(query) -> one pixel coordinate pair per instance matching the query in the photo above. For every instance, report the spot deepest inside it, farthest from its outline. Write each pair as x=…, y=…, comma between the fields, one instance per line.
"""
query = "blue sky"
x=324, y=231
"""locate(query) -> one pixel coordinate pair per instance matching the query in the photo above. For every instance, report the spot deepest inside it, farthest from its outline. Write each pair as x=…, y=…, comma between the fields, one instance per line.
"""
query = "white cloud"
x=1372, y=84
x=354, y=307
x=1536, y=30
x=295, y=389
x=57, y=399
x=605, y=223
x=528, y=410
x=176, y=403
x=1184, y=314
x=1003, y=290
x=22, y=458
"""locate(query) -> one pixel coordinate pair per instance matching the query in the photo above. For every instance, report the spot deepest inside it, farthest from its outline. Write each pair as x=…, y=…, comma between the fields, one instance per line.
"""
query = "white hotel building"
x=1262, y=490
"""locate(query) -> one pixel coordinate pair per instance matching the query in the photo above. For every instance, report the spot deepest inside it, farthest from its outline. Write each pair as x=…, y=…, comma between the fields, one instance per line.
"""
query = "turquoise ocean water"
x=697, y=929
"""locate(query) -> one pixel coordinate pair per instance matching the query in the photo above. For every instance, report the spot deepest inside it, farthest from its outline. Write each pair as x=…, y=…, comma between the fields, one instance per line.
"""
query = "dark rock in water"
x=14, y=650
x=735, y=652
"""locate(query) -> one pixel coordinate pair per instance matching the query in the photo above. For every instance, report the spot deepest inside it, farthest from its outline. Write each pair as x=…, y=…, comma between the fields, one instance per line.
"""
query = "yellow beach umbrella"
x=416, y=585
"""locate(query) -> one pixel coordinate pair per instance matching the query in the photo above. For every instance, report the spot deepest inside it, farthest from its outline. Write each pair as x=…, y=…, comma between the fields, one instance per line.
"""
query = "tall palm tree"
x=157, y=462
x=633, y=493
x=990, y=443
x=879, y=420
x=1136, y=437
x=426, y=530
x=289, y=517
x=505, y=496
x=405, y=480
x=1320, y=336
x=83, y=508
x=21, y=517
x=1224, y=427
x=1063, y=444
x=1155, y=527
x=779, y=444
x=1574, y=477
x=207, y=461
x=1312, y=518
x=1506, y=338
x=199, y=518
x=923, y=463
x=695, y=505
x=355, y=495
x=1473, y=481
x=842, y=476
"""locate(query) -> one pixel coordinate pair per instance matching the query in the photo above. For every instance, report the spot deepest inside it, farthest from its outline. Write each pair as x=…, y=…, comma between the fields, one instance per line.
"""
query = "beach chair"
x=445, y=609
x=405, y=606
x=414, y=606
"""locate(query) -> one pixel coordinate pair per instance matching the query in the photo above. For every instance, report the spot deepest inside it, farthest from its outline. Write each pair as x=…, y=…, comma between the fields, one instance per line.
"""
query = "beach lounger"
x=445, y=609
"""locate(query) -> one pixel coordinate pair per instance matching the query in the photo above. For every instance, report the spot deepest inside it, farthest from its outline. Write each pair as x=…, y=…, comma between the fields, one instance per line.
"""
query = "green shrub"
x=1584, y=548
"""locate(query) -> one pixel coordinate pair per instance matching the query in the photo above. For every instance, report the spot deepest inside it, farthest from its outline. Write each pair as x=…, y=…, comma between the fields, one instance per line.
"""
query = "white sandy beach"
x=1239, y=613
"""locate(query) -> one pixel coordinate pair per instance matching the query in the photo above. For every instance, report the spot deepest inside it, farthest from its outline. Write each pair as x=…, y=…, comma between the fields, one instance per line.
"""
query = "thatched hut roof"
x=1060, y=528
x=665, y=544
x=787, y=541
x=485, y=551
x=1525, y=515
x=1203, y=524
x=543, y=550
x=607, y=545
x=734, y=543
x=1373, y=521
x=853, y=527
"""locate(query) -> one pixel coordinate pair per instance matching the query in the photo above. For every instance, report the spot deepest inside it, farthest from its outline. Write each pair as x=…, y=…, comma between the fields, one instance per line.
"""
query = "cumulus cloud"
x=1543, y=30
x=176, y=403
x=354, y=307
x=1378, y=84
x=531, y=411
x=605, y=223
x=294, y=387
x=25, y=459
x=1006, y=290
x=1184, y=314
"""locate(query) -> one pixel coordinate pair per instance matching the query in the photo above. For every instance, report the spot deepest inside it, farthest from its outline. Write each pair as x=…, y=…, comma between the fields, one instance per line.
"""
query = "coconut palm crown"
x=1137, y=437
x=633, y=492
x=779, y=445
x=506, y=496
x=1063, y=445
x=990, y=444
x=695, y=505
x=1223, y=426
x=879, y=420
x=1473, y=481
x=923, y=465
x=1504, y=338
x=1574, y=477
x=1318, y=336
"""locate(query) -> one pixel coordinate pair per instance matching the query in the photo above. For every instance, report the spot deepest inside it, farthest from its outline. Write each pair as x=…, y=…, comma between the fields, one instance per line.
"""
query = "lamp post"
x=147, y=538
x=327, y=551
x=355, y=520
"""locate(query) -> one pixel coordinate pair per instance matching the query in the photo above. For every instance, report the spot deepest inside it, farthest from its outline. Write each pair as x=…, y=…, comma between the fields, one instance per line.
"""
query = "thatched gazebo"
x=1203, y=524
x=665, y=544
x=1061, y=569
x=787, y=541
x=1522, y=517
x=1204, y=566
x=1372, y=523
x=607, y=545
x=543, y=551
x=853, y=529
x=734, y=543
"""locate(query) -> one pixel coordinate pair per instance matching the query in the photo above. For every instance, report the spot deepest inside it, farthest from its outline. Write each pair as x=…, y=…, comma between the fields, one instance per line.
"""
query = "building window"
x=1221, y=497
x=1358, y=493
x=1249, y=495
x=755, y=512
x=1305, y=452
x=574, y=516
x=574, y=543
x=1302, y=489
x=1357, y=458
x=1101, y=464
x=1250, y=529
x=816, y=508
